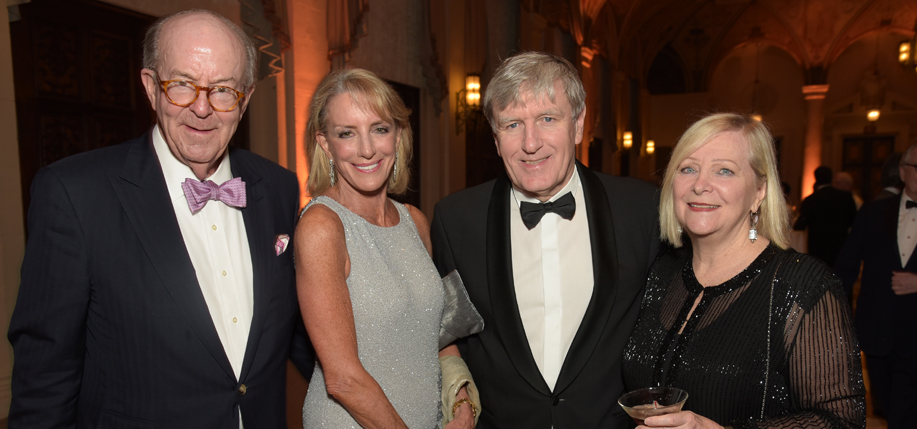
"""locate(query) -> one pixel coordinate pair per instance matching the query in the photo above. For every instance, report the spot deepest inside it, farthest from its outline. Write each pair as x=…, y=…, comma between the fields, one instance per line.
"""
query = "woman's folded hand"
x=681, y=420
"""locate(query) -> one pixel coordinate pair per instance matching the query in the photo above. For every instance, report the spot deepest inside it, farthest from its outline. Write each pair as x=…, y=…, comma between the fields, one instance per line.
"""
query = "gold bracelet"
x=474, y=412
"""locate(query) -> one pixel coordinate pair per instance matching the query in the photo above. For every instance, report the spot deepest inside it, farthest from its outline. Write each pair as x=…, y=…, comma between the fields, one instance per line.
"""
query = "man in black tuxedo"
x=145, y=303
x=883, y=238
x=553, y=255
x=828, y=214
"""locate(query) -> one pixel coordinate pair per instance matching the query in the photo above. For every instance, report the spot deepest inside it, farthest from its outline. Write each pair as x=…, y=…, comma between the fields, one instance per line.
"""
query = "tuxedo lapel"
x=508, y=321
x=605, y=273
x=259, y=229
x=144, y=196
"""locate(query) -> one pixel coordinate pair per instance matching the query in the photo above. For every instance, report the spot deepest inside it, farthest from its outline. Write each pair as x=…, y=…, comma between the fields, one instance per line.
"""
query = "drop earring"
x=752, y=232
x=331, y=171
x=395, y=169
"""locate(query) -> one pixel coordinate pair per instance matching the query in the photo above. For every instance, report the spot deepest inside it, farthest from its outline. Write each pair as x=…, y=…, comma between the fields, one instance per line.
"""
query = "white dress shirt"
x=907, y=229
x=552, y=274
x=218, y=245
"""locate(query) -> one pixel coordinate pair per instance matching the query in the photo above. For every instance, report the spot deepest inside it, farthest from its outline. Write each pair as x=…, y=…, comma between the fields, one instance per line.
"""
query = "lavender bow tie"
x=231, y=193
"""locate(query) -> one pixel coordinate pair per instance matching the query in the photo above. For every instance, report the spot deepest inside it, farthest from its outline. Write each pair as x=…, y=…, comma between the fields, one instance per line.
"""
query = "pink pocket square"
x=280, y=244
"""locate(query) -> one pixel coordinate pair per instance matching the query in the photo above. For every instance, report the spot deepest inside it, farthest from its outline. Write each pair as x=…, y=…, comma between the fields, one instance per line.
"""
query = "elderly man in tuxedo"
x=157, y=287
x=883, y=239
x=553, y=255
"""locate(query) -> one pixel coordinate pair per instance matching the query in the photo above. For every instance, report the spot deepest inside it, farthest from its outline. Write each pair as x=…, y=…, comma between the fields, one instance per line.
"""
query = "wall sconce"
x=628, y=140
x=650, y=147
x=906, y=50
x=467, y=102
x=872, y=115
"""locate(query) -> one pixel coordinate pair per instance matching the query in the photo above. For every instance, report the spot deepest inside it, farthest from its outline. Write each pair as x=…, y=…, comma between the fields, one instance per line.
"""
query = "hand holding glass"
x=652, y=401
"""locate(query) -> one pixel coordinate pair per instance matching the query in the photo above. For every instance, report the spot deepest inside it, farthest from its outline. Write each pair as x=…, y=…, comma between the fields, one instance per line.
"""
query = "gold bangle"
x=474, y=412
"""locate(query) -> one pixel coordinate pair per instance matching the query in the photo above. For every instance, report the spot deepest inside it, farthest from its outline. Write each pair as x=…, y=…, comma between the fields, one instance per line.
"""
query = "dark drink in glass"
x=652, y=401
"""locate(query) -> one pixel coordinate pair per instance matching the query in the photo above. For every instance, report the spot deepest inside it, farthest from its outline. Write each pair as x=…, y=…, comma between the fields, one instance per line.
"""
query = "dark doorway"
x=76, y=67
x=411, y=97
x=863, y=158
x=481, y=160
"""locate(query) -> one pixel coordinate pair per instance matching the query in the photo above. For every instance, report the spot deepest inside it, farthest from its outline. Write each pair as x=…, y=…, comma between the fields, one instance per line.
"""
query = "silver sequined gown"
x=397, y=299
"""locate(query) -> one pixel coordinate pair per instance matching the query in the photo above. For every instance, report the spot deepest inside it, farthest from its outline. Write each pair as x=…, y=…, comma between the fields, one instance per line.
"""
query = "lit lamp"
x=906, y=52
x=628, y=140
x=872, y=115
x=650, y=147
x=473, y=90
x=467, y=102
x=756, y=116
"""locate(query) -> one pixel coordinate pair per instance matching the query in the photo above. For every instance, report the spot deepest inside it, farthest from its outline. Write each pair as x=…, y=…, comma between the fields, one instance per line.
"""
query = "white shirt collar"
x=571, y=186
x=175, y=172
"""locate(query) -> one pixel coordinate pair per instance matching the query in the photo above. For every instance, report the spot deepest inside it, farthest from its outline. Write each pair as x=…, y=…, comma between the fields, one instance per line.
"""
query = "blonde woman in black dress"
x=756, y=333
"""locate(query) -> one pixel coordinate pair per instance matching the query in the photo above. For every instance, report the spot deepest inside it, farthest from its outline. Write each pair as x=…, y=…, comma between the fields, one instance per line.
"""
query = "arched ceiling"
x=702, y=32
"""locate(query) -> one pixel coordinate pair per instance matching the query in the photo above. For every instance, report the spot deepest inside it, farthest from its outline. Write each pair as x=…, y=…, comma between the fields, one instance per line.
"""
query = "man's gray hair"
x=536, y=72
x=152, y=52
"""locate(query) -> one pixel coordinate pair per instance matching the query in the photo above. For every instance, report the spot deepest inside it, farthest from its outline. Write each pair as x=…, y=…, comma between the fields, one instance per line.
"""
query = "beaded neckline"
x=324, y=199
x=739, y=280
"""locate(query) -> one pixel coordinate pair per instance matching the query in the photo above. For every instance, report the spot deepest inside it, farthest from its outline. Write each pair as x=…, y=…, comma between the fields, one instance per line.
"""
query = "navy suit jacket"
x=884, y=321
x=111, y=329
x=471, y=233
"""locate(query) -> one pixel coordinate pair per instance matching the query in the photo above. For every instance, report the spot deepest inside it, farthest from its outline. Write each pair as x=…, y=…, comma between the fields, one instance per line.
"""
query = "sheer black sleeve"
x=824, y=370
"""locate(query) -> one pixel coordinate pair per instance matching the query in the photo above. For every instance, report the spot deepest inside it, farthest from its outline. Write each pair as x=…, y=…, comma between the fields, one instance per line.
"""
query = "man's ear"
x=150, y=84
x=245, y=100
x=580, y=125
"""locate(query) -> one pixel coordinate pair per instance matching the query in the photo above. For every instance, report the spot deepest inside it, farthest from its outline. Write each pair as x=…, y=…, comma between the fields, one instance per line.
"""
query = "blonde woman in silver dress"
x=370, y=296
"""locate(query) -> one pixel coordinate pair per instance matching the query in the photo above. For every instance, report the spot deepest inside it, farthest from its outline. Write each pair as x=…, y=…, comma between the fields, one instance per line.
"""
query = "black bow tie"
x=908, y=205
x=532, y=213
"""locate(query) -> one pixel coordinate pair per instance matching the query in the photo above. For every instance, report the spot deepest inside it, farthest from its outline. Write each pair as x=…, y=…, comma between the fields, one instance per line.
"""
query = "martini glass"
x=652, y=401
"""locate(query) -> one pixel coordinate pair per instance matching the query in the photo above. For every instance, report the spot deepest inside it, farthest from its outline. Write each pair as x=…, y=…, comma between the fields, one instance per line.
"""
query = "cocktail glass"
x=652, y=401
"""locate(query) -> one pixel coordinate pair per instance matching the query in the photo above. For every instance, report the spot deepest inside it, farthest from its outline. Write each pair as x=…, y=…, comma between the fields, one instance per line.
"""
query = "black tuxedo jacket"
x=471, y=233
x=884, y=321
x=828, y=214
x=111, y=329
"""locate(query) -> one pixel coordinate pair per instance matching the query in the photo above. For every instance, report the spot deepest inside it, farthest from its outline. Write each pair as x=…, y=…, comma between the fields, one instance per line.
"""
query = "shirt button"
x=235, y=320
x=213, y=227
x=224, y=273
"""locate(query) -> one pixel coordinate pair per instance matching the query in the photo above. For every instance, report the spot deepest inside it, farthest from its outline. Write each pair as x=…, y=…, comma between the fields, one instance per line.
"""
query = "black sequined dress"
x=782, y=324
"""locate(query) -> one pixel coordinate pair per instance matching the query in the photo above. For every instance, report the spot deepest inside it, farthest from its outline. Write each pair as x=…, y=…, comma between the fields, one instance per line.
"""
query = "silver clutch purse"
x=460, y=318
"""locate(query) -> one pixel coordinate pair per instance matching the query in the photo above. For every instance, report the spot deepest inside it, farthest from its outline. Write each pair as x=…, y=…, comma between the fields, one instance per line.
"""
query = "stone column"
x=811, y=158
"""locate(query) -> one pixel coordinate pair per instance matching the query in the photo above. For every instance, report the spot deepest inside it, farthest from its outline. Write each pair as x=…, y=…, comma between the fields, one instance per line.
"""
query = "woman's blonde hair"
x=367, y=89
x=773, y=220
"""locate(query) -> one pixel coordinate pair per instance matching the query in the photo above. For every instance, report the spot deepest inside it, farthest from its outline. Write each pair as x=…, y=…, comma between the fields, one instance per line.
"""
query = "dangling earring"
x=331, y=171
x=395, y=170
x=680, y=230
x=753, y=233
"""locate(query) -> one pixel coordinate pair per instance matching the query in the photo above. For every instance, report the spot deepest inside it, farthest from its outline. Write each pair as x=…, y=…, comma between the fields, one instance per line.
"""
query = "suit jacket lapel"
x=258, y=228
x=142, y=191
x=507, y=320
x=605, y=275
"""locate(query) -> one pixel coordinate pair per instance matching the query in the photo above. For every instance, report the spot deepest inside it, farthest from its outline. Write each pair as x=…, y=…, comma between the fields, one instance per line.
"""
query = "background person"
x=369, y=292
x=143, y=303
x=828, y=214
x=559, y=292
x=757, y=334
x=891, y=177
x=882, y=241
